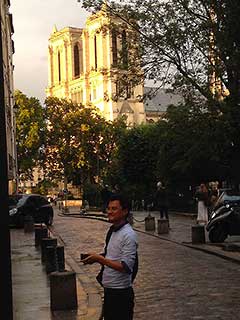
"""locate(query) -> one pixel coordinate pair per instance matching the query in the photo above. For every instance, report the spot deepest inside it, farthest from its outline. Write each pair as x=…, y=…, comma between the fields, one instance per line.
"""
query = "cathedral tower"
x=94, y=66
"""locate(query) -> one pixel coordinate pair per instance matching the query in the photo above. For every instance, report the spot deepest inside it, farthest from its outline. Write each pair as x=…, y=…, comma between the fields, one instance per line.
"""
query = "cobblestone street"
x=174, y=281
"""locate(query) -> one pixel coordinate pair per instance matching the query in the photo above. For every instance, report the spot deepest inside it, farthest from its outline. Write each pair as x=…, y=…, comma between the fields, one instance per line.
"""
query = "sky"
x=33, y=22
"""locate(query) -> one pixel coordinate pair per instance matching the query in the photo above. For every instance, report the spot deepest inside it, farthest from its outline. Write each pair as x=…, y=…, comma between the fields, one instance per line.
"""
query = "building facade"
x=7, y=54
x=91, y=66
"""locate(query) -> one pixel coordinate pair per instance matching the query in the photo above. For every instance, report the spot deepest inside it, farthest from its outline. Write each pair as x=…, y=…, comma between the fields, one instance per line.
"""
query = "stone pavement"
x=31, y=292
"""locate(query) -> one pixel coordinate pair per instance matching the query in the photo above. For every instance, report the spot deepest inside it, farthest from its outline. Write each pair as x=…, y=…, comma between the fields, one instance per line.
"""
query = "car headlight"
x=13, y=211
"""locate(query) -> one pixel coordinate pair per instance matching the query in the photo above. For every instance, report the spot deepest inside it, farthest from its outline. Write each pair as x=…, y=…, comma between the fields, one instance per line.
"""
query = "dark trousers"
x=118, y=304
x=163, y=212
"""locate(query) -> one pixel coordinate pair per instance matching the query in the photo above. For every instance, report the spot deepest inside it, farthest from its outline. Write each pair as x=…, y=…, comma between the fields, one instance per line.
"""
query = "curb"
x=212, y=252
x=198, y=247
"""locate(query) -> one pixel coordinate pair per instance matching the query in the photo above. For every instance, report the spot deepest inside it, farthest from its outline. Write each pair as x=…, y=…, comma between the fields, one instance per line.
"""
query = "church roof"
x=126, y=108
x=160, y=100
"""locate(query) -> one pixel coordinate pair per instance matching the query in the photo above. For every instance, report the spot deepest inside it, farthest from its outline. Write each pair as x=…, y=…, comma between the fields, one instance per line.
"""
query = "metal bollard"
x=198, y=234
x=60, y=258
x=40, y=233
x=28, y=224
x=63, y=290
x=51, y=259
x=163, y=226
x=149, y=223
x=47, y=242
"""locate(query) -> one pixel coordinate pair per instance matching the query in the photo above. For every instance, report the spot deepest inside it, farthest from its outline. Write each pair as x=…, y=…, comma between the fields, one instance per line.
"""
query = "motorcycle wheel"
x=217, y=233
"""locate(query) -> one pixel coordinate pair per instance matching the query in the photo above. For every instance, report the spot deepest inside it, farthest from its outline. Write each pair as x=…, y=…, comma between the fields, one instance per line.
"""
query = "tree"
x=191, y=47
x=185, y=43
x=134, y=164
x=195, y=147
x=79, y=141
x=30, y=133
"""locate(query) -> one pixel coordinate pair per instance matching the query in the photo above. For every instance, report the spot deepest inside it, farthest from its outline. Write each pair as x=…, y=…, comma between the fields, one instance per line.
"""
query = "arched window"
x=124, y=49
x=114, y=48
x=95, y=51
x=76, y=61
x=59, y=66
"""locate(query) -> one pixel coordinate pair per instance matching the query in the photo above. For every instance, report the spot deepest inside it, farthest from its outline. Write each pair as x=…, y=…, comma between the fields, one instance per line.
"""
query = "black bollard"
x=40, y=233
x=63, y=290
x=60, y=258
x=51, y=259
x=149, y=223
x=28, y=224
x=198, y=234
x=163, y=226
x=47, y=242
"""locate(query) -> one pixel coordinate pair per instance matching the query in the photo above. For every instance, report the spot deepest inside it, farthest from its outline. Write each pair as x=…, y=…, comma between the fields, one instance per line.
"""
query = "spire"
x=54, y=29
x=104, y=6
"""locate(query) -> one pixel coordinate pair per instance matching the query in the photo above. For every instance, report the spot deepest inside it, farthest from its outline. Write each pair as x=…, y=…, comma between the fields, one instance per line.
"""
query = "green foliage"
x=43, y=186
x=91, y=193
x=184, y=44
x=191, y=47
x=194, y=147
x=80, y=142
x=30, y=133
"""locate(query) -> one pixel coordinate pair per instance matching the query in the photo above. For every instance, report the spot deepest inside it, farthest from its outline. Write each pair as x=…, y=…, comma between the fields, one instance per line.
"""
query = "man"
x=118, y=262
x=161, y=200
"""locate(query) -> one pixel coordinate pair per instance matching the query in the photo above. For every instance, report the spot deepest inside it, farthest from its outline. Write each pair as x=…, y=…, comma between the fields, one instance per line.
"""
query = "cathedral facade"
x=95, y=66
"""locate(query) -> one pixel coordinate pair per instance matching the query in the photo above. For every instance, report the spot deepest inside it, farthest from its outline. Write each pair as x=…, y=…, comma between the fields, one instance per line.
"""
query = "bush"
x=91, y=193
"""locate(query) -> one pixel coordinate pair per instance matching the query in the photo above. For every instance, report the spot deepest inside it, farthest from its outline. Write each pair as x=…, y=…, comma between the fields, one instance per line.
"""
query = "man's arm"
x=94, y=257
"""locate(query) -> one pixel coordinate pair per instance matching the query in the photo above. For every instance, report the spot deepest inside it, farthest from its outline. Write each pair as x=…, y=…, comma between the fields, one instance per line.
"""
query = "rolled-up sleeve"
x=129, y=248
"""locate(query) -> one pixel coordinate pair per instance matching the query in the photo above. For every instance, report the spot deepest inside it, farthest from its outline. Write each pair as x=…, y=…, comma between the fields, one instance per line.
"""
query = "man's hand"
x=92, y=258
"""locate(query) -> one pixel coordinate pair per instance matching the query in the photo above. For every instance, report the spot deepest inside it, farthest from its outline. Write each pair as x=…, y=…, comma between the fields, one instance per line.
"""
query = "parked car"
x=35, y=205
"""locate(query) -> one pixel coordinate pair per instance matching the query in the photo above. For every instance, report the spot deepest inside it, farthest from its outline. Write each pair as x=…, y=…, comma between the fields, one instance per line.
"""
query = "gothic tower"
x=94, y=66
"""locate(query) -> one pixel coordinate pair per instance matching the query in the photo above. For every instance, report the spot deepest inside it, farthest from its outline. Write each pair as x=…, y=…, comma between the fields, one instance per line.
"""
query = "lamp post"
x=6, y=311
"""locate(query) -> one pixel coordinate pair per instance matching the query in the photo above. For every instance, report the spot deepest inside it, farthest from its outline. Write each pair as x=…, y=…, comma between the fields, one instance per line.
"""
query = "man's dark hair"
x=122, y=200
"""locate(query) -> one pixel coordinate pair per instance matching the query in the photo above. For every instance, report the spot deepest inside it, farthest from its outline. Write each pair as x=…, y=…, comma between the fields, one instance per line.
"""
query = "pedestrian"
x=119, y=262
x=116, y=189
x=213, y=194
x=105, y=194
x=202, y=196
x=161, y=201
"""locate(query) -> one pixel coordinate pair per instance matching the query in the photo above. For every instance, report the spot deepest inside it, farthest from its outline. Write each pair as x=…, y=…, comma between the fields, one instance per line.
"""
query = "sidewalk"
x=31, y=288
x=181, y=233
x=31, y=285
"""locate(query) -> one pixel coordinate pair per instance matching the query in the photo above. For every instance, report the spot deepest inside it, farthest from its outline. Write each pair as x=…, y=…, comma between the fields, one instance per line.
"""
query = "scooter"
x=224, y=221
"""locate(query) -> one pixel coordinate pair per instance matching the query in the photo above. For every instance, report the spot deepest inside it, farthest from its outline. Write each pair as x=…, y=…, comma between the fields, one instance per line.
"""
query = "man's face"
x=116, y=214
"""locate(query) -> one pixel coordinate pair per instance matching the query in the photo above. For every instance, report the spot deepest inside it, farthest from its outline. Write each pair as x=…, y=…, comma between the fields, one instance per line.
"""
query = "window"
x=76, y=61
x=124, y=49
x=94, y=93
x=114, y=47
x=95, y=51
x=59, y=67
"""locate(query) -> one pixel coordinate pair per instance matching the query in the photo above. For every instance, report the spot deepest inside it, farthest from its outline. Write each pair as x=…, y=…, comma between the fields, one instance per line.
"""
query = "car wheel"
x=218, y=233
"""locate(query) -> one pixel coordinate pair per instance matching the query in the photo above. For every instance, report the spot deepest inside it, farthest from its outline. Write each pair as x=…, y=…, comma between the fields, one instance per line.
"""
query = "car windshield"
x=16, y=200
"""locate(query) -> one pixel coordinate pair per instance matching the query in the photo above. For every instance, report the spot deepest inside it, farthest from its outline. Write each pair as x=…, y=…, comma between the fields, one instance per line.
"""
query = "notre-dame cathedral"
x=91, y=66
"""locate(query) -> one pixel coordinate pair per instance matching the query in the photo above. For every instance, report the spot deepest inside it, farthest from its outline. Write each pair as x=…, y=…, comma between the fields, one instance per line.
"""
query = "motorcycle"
x=224, y=221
